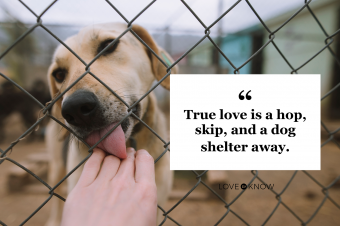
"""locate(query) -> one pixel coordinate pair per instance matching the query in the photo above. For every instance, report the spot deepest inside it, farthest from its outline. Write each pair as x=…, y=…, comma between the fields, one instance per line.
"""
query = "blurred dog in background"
x=13, y=100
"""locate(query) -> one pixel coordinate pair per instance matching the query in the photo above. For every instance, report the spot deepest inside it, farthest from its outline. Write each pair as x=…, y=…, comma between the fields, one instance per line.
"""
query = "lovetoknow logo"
x=244, y=186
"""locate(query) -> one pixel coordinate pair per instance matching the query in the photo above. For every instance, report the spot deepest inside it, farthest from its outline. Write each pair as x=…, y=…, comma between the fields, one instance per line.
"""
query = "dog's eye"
x=59, y=75
x=104, y=44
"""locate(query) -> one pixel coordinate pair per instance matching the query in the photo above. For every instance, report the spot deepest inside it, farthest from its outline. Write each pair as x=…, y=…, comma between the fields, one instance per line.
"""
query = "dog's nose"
x=80, y=108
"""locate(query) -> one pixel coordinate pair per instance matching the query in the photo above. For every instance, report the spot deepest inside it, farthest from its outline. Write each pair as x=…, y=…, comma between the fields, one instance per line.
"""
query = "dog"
x=13, y=100
x=90, y=109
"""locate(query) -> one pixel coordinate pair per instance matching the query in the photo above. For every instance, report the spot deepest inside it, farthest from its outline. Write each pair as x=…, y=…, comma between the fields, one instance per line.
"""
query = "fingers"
x=109, y=168
x=127, y=166
x=138, y=166
x=91, y=168
x=145, y=167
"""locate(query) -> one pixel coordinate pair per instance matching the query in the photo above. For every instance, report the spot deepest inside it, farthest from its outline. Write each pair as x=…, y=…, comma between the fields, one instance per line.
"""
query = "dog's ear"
x=158, y=68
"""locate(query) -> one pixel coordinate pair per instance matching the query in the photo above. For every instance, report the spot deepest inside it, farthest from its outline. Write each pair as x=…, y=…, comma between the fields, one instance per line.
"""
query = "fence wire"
x=206, y=35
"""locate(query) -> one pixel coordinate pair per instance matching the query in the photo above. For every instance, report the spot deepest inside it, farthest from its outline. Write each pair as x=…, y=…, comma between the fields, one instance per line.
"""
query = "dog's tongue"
x=113, y=144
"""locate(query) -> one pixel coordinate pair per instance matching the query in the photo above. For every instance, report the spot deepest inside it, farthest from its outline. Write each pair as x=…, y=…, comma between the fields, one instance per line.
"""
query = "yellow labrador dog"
x=91, y=110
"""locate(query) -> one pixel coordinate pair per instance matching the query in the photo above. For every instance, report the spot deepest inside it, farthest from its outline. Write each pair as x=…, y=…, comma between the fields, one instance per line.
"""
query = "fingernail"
x=145, y=151
x=130, y=150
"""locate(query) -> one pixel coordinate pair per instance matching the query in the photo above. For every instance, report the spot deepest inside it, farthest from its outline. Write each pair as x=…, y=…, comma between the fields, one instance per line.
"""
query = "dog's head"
x=127, y=67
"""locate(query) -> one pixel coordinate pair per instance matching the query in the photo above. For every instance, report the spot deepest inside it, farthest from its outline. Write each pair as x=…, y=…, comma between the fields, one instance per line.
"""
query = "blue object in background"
x=238, y=49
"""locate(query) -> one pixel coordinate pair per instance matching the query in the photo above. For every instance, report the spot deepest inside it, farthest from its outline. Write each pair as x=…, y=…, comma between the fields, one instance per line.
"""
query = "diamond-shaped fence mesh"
x=206, y=35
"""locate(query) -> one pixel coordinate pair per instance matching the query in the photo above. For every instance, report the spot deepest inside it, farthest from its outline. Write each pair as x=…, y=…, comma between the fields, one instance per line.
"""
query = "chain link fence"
x=206, y=30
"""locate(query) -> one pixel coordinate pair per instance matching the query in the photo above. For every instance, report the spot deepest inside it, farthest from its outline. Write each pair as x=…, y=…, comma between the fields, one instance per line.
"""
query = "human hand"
x=120, y=192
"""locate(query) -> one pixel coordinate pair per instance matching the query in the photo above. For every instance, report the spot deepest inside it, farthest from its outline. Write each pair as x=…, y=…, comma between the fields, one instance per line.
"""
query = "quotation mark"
x=241, y=97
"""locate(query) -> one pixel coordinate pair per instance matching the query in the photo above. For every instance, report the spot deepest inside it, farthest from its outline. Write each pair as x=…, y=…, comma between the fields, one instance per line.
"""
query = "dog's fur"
x=129, y=71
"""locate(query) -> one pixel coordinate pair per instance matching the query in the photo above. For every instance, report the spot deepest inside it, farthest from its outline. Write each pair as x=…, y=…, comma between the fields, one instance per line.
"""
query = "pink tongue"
x=113, y=144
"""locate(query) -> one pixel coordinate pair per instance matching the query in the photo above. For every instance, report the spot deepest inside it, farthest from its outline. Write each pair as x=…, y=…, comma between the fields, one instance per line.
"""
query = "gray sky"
x=160, y=14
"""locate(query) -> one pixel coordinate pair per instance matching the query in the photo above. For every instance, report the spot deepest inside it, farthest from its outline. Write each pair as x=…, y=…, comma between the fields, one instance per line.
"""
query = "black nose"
x=80, y=108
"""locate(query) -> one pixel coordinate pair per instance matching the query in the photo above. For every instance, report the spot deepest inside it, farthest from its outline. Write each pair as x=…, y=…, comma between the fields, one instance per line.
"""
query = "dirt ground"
x=303, y=196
